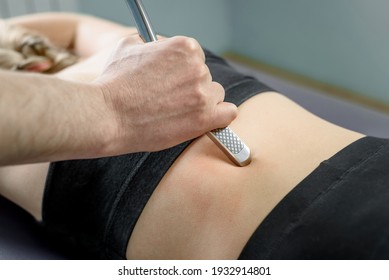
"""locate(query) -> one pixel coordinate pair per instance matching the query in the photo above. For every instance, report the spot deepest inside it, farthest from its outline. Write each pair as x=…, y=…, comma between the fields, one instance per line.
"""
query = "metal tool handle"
x=224, y=138
x=234, y=148
x=142, y=21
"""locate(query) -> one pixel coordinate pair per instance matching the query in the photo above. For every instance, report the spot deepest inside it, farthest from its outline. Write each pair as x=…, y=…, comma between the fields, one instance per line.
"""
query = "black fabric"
x=95, y=204
x=340, y=211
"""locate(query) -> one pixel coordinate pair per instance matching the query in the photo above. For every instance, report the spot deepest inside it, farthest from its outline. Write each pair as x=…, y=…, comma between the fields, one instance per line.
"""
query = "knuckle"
x=187, y=44
x=191, y=45
x=219, y=88
x=203, y=70
x=200, y=71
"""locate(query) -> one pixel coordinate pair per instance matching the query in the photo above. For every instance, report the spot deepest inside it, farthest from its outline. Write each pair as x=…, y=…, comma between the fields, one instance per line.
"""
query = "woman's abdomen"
x=205, y=207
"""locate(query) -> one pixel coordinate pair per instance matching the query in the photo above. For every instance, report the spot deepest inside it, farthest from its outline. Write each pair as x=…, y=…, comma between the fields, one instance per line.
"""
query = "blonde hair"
x=25, y=50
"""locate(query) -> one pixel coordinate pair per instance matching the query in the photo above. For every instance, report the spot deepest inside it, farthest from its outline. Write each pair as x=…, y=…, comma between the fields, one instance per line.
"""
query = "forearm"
x=44, y=118
x=87, y=35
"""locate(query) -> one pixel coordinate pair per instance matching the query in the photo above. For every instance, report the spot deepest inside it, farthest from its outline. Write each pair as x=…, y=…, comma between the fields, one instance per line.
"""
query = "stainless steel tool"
x=230, y=143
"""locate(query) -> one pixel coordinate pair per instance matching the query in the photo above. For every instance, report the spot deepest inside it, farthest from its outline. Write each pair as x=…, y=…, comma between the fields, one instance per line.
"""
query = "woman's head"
x=23, y=50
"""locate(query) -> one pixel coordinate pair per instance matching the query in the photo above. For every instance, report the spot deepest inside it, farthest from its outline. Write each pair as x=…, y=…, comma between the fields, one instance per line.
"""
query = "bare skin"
x=205, y=207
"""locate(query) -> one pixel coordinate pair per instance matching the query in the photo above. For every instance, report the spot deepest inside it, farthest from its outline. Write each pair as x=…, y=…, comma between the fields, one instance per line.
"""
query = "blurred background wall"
x=340, y=43
x=206, y=20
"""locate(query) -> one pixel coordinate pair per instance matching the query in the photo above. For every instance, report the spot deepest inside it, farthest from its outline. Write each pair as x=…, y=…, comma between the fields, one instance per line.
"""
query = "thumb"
x=224, y=114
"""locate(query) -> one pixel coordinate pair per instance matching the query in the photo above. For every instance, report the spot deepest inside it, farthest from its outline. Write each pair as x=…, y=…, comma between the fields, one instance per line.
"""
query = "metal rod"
x=224, y=138
x=142, y=21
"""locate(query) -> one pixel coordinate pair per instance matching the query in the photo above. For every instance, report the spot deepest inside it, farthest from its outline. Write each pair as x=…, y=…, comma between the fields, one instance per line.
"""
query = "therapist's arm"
x=43, y=118
x=149, y=97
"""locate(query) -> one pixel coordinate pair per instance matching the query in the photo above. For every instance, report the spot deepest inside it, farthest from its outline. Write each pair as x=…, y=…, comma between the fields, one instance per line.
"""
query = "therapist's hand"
x=161, y=94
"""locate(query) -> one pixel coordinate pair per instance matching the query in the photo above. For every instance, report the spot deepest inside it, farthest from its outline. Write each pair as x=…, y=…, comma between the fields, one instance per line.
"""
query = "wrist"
x=103, y=132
